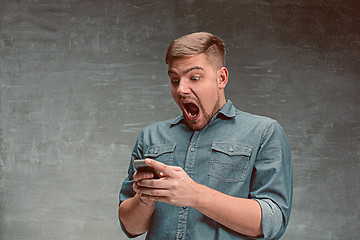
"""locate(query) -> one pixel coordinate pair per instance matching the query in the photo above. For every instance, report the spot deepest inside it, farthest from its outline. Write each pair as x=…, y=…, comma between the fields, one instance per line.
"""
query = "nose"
x=183, y=87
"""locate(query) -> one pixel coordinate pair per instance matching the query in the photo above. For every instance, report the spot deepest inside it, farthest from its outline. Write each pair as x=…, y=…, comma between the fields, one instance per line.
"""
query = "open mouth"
x=191, y=109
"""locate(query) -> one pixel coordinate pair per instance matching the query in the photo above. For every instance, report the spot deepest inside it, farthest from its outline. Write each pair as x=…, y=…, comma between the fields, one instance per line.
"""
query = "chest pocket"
x=163, y=153
x=229, y=162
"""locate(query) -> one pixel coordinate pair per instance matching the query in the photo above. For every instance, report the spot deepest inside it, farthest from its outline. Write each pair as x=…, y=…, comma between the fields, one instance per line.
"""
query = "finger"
x=151, y=200
x=152, y=192
x=165, y=169
x=161, y=183
x=135, y=187
x=142, y=175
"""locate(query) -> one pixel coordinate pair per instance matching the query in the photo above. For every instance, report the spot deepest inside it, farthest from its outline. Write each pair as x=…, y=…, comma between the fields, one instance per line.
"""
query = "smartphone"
x=141, y=166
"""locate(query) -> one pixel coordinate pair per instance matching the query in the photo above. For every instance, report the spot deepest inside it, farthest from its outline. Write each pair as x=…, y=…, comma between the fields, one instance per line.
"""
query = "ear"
x=222, y=76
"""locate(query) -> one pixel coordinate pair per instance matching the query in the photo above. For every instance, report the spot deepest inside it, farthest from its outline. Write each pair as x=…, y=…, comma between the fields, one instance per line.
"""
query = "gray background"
x=79, y=79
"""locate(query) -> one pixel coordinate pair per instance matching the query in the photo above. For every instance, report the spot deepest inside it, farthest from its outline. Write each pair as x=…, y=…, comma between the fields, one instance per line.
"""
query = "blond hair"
x=195, y=44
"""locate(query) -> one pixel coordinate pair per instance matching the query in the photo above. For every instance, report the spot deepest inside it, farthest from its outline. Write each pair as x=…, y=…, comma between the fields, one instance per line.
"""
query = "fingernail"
x=147, y=161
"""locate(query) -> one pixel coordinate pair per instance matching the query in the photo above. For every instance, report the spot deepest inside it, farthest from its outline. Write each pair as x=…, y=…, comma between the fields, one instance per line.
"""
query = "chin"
x=196, y=126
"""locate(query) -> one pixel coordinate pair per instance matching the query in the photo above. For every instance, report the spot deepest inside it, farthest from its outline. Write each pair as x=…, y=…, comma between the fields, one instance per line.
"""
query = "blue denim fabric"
x=237, y=153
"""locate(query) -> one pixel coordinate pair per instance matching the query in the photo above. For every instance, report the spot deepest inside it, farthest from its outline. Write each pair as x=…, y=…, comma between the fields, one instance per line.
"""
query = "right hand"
x=144, y=199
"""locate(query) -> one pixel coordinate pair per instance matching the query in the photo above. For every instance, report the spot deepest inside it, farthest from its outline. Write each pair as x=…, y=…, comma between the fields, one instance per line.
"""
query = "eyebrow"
x=187, y=70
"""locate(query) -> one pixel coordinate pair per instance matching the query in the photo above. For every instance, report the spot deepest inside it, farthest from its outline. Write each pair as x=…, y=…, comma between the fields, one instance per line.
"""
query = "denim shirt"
x=237, y=153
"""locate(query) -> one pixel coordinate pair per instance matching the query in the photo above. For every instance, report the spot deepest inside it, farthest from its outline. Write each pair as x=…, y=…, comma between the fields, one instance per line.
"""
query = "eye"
x=195, y=78
x=174, y=80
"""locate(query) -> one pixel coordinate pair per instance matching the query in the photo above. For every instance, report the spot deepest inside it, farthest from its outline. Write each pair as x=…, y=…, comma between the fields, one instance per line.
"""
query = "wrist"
x=143, y=203
x=201, y=195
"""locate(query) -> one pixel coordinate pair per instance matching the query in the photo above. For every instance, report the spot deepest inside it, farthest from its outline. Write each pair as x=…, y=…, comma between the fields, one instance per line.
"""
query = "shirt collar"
x=227, y=111
x=177, y=120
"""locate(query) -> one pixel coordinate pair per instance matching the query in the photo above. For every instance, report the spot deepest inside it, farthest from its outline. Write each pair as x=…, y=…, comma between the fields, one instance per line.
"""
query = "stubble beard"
x=207, y=116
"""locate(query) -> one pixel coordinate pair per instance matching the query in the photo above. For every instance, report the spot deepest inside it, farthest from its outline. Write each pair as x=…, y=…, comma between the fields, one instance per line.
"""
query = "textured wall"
x=79, y=79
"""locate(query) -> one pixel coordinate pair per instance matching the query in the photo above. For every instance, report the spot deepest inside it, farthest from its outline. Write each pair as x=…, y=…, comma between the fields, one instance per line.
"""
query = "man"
x=226, y=174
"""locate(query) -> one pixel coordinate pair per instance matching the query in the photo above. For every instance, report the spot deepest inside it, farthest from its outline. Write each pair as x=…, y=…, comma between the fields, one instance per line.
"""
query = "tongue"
x=193, y=109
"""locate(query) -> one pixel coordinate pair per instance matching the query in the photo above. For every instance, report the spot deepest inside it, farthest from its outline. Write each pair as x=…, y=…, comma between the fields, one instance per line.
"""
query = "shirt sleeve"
x=272, y=181
x=126, y=190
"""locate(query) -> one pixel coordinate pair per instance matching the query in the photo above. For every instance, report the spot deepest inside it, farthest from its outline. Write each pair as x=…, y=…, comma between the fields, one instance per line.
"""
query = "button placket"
x=189, y=169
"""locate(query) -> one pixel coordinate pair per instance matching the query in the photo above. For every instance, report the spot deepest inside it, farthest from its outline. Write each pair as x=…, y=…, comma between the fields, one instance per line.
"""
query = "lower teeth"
x=192, y=115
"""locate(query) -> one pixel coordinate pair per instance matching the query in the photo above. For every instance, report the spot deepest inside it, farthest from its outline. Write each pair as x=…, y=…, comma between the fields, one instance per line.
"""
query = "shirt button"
x=192, y=149
x=231, y=149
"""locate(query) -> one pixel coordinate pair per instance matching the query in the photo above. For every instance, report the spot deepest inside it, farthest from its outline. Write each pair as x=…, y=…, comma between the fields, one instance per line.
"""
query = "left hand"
x=175, y=187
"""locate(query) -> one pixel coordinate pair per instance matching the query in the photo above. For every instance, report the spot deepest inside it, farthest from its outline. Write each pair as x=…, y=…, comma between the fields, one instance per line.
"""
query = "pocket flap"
x=157, y=150
x=232, y=149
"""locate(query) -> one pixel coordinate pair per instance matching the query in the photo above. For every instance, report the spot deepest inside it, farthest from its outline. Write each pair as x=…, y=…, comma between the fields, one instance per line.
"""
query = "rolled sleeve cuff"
x=272, y=218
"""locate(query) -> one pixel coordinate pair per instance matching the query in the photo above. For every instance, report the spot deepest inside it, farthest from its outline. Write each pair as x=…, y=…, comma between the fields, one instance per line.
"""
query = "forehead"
x=184, y=64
